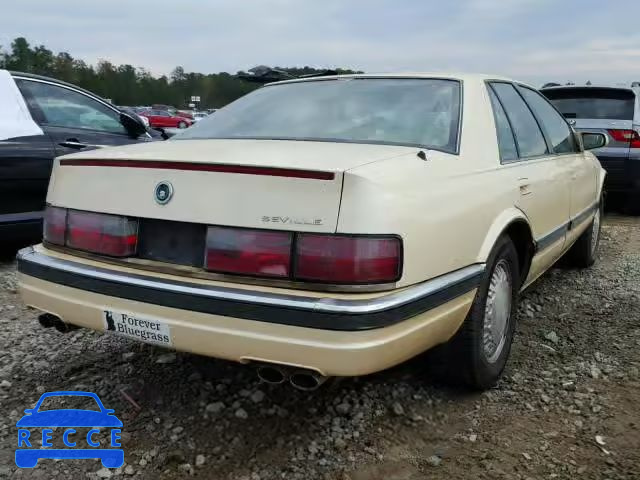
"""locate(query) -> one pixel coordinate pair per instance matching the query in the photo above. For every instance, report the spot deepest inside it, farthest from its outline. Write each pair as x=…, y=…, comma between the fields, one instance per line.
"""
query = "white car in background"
x=325, y=227
x=197, y=116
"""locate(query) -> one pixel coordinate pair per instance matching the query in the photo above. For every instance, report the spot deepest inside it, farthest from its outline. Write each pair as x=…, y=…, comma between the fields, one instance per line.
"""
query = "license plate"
x=138, y=328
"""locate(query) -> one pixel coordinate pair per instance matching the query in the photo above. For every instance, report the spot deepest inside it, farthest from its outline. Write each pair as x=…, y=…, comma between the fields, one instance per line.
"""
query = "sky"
x=530, y=40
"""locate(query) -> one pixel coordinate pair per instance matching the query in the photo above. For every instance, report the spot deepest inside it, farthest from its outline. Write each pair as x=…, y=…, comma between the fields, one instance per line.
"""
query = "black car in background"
x=40, y=119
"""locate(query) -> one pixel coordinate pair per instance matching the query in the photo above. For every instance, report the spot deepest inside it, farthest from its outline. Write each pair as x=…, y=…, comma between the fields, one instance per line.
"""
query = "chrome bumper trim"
x=323, y=305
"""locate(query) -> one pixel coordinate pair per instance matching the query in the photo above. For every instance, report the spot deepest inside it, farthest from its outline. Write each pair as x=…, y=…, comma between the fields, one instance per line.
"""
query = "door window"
x=506, y=140
x=58, y=106
x=531, y=142
x=554, y=125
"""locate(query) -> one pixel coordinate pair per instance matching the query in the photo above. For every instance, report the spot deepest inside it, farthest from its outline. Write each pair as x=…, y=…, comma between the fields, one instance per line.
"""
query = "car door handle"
x=525, y=187
x=73, y=143
x=525, y=190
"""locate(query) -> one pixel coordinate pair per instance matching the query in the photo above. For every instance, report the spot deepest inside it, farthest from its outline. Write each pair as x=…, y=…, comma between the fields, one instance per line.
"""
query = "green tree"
x=128, y=85
x=20, y=57
x=42, y=60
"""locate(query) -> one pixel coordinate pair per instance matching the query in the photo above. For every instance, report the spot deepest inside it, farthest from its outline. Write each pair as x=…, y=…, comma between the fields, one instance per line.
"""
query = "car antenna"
x=422, y=155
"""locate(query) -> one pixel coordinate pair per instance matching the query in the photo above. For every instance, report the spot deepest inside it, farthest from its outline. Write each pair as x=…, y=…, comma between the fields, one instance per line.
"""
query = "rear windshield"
x=420, y=112
x=609, y=103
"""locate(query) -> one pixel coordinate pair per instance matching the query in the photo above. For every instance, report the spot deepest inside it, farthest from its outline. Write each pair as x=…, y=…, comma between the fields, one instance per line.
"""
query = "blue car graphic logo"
x=28, y=453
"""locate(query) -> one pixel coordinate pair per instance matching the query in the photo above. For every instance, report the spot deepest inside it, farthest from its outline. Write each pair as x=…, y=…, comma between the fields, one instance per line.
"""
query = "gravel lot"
x=568, y=407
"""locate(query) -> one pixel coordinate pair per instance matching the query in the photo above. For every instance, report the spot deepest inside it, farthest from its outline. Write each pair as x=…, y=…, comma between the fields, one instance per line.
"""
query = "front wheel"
x=476, y=356
x=182, y=125
x=583, y=253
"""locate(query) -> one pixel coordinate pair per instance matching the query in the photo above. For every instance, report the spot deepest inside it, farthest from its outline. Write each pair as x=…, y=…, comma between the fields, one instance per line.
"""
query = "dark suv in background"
x=614, y=111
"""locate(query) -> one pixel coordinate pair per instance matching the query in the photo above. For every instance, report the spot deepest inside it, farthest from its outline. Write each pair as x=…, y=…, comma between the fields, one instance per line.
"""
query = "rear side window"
x=593, y=103
x=556, y=127
x=531, y=142
x=506, y=141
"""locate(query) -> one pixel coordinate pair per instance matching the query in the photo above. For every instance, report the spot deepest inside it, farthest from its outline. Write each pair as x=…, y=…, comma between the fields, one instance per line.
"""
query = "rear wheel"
x=583, y=253
x=478, y=353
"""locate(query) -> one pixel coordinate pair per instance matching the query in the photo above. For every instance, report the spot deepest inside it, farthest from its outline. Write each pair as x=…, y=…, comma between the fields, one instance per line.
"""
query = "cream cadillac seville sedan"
x=333, y=226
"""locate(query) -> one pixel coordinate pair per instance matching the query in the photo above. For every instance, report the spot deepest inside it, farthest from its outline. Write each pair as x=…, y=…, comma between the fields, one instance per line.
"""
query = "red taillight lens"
x=55, y=225
x=626, y=136
x=101, y=233
x=248, y=252
x=342, y=259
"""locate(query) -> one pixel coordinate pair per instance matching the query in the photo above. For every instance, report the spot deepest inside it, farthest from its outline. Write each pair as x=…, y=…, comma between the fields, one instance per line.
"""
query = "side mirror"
x=134, y=126
x=592, y=141
x=29, y=411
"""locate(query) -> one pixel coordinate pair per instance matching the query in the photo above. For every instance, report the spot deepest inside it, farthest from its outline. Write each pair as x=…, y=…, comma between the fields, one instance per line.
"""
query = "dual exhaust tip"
x=48, y=320
x=305, y=380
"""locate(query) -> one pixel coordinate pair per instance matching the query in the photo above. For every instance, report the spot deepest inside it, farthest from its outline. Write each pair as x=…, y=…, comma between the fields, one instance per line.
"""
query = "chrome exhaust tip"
x=271, y=375
x=306, y=380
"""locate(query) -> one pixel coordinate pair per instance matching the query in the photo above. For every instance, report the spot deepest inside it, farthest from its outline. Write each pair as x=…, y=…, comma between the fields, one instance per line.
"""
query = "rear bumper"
x=623, y=174
x=334, y=336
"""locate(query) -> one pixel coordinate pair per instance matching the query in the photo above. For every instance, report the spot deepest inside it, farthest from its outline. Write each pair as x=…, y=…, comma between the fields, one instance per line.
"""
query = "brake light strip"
x=202, y=167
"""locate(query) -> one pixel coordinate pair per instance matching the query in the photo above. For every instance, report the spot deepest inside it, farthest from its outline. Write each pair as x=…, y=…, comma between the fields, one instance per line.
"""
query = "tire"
x=583, y=253
x=182, y=125
x=472, y=358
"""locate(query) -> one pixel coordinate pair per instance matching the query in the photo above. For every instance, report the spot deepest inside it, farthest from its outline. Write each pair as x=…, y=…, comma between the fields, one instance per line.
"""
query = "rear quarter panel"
x=449, y=210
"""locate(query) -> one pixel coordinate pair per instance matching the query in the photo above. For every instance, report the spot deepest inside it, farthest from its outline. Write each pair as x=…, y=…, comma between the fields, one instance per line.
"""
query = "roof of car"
x=444, y=75
x=602, y=85
x=54, y=80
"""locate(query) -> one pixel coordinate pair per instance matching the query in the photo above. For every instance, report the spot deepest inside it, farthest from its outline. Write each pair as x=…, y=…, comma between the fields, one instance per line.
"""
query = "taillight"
x=626, y=136
x=347, y=259
x=101, y=233
x=55, y=225
x=323, y=258
x=338, y=259
x=249, y=252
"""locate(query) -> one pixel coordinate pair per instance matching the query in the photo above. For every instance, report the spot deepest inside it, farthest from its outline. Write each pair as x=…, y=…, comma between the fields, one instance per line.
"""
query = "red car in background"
x=165, y=119
x=184, y=114
x=173, y=110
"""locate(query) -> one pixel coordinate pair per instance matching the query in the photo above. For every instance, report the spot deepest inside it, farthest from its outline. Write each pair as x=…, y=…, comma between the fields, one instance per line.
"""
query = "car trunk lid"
x=282, y=185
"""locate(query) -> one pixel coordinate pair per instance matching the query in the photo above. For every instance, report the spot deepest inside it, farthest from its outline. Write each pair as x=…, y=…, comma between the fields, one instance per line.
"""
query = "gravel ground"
x=568, y=406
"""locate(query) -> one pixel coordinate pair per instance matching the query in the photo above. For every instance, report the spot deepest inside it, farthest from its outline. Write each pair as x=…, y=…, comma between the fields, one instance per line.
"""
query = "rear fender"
x=498, y=227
